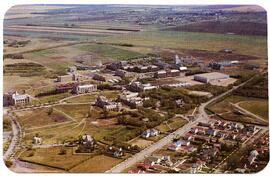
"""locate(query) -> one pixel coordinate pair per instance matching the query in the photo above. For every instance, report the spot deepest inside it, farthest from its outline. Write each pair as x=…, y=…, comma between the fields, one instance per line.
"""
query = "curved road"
x=15, y=138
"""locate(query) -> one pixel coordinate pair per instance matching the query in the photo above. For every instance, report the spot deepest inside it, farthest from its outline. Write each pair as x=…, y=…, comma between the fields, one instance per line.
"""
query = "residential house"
x=252, y=157
x=150, y=133
x=115, y=152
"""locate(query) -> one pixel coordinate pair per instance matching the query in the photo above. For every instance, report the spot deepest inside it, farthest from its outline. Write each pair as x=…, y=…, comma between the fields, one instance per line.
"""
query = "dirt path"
x=248, y=112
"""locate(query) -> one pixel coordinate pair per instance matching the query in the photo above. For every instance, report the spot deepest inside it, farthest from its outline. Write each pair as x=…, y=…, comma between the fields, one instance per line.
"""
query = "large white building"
x=208, y=77
x=14, y=98
x=81, y=89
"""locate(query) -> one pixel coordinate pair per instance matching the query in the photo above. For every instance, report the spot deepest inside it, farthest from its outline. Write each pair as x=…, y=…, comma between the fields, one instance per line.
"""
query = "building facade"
x=81, y=89
x=14, y=98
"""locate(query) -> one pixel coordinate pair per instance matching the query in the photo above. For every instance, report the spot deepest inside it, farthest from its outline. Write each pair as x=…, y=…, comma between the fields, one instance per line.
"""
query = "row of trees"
x=257, y=87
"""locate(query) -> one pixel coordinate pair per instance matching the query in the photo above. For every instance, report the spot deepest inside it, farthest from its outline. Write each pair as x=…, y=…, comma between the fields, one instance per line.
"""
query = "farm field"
x=109, y=51
x=248, y=45
x=33, y=44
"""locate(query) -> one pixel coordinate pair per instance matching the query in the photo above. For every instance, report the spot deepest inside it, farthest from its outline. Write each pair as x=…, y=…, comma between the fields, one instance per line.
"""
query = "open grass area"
x=259, y=107
x=249, y=45
x=97, y=164
x=92, y=97
x=77, y=112
x=51, y=157
x=51, y=98
x=39, y=117
x=54, y=135
x=225, y=110
x=171, y=125
x=109, y=51
x=224, y=105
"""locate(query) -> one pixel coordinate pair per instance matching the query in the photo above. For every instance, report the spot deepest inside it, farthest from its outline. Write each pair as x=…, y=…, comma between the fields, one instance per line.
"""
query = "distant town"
x=135, y=94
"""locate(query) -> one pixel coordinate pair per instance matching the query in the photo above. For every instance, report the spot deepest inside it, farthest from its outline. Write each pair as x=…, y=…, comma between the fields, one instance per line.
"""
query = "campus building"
x=107, y=105
x=14, y=98
x=81, y=89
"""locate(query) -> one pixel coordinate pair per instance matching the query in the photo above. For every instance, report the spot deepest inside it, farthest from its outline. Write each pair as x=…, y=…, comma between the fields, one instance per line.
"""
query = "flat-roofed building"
x=122, y=73
x=87, y=88
x=131, y=99
x=173, y=73
x=99, y=77
x=139, y=87
x=65, y=78
x=160, y=74
x=208, y=77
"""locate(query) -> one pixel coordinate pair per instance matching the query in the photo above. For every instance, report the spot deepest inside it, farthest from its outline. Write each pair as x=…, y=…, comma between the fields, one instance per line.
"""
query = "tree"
x=63, y=151
x=50, y=111
x=89, y=114
x=105, y=113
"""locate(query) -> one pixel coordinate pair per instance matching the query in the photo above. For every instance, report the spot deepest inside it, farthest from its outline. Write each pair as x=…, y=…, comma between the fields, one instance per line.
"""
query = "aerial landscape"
x=135, y=89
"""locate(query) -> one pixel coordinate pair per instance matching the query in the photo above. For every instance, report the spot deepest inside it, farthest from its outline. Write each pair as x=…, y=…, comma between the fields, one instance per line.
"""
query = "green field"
x=249, y=45
x=225, y=110
x=51, y=98
x=92, y=97
x=173, y=124
x=109, y=51
x=39, y=117
x=90, y=166
x=51, y=157
x=259, y=107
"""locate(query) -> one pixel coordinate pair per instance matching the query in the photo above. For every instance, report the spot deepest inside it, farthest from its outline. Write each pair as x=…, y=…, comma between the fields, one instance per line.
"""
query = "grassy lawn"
x=97, y=164
x=51, y=157
x=78, y=112
x=92, y=97
x=259, y=107
x=173, y=124
x=51, y=98
x=109, y=51
x=82, y=99
x=73, y=130
x=250, y=45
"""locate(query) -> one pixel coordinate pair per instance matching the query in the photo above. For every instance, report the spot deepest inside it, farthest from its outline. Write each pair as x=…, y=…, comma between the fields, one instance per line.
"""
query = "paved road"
x=15, y=137
x=202, y=117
